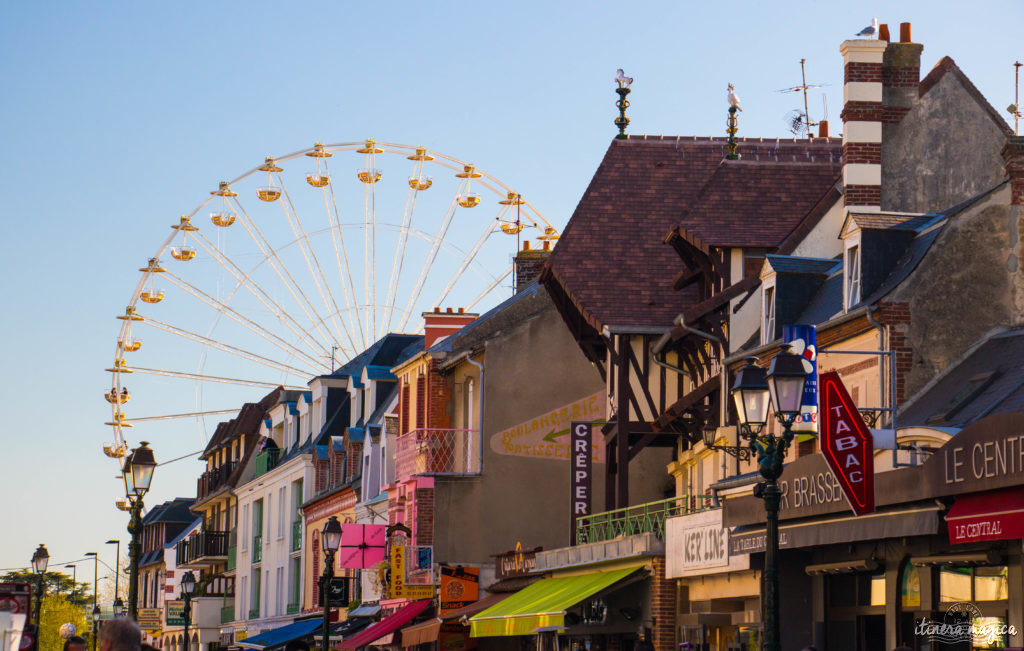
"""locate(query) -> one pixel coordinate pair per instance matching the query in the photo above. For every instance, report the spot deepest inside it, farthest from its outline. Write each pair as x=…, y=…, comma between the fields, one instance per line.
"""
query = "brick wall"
x=403, y=425
x=320, y=467
x=440, y=395
x=355, y=458
x=897, y=317
x=423, y=529
x=421, y=402
x=1013, y=156
x=663, y=608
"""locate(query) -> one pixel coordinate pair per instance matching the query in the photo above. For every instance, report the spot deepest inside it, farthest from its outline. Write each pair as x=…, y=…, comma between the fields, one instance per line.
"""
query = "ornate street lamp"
x=710, y=434
x=117, y=573
x=95, y=625
x=330, y=539
x=188, y=586
x=118, y=607
x=137, y=473
x=784, y=385
x=40, y=559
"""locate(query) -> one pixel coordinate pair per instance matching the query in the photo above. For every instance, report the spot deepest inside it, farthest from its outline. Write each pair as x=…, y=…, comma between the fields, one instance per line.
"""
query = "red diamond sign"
x=847, y=444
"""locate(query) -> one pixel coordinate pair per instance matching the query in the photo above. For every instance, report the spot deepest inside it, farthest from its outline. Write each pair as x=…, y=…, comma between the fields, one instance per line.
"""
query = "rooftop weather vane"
x=624, y=83
x=731, y=123
x=1014, y=108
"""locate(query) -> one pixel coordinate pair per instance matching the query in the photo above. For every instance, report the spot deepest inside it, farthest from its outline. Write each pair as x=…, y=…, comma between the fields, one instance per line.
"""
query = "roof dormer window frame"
x=852, y=274
x=768, y=303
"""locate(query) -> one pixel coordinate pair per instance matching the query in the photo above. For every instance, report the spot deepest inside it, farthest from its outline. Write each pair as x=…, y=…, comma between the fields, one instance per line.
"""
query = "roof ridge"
x=947, y=64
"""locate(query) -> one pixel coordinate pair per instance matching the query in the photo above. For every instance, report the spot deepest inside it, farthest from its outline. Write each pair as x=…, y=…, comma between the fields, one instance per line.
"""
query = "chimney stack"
x=862, y=124
x=528, y=264
x=1013, y=154
x=439, y=324
x=901, y=76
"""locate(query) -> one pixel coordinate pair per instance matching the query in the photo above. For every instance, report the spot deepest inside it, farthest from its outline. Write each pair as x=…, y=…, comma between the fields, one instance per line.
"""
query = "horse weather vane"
x=624, y=83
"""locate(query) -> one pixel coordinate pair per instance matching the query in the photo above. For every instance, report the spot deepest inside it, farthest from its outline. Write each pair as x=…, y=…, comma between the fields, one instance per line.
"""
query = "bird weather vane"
x=732, y=123
x=624, y=83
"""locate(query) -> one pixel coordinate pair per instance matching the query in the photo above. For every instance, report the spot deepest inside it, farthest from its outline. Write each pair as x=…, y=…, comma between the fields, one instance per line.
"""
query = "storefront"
x=719, y=593
x=941, y=553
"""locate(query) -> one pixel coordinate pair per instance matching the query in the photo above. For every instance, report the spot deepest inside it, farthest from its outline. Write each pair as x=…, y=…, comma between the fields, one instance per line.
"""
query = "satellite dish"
x=797, y=123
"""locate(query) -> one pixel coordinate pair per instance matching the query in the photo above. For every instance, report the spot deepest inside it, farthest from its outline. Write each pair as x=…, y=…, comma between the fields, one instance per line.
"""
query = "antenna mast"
x=1016, y=97
x=807, y=114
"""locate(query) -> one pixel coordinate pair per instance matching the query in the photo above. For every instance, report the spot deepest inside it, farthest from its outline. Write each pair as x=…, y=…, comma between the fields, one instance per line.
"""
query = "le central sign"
x=847, y=445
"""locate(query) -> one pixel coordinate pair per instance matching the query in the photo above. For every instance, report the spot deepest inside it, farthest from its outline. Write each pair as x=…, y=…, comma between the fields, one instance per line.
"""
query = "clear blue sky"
x=118, y=116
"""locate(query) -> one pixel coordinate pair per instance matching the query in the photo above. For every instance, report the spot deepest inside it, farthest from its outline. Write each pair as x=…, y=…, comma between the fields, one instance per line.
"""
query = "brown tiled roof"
x=247, y=422
x=756, y=203
x=890, y=221
x=611, y=261
x=946, y=65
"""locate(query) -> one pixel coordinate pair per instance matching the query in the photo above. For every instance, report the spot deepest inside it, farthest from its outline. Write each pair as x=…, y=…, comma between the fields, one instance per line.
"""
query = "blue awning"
x=282, y=635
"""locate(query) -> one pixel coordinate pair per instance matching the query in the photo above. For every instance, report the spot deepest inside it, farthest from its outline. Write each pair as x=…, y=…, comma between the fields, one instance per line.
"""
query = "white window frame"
x=244, y=529
x=768, y=302
x=282, y=509
x=852, y=275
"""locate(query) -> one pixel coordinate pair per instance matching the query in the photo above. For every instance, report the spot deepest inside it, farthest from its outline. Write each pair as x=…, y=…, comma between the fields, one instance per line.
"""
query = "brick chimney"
x=862, y=123
x=901, y=76
x=1013, y=154
x=528, y=263
x=441, y=324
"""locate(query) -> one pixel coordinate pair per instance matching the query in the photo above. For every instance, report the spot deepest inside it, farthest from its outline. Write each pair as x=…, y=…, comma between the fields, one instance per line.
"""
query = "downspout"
x=480, y=411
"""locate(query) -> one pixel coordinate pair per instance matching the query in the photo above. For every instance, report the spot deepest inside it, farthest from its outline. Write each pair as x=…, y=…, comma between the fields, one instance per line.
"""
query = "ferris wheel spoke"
x=403, y=239
x=322, y=286
x=242, y=320
x=467, y=260
x=435, y=246
x=245, y=280
x=227, y=348
x=279, y=268
x=184, y=375
x=194, y=414
x=341, y=254
x=489, y=288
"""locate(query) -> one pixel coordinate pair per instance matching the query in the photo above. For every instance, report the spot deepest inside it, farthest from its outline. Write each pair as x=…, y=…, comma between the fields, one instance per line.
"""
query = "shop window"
x=973, y=584
x=910, y=587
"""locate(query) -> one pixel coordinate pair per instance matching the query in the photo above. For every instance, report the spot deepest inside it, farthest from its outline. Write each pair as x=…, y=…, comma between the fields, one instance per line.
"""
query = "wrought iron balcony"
x=641, y=518
x=212, y=480
x=227, y=614
x=202, y=549
x=297, y=535
x=257, y=548
x=267, y=461
x=292, y=608
x=438, y=452
x=254, y=613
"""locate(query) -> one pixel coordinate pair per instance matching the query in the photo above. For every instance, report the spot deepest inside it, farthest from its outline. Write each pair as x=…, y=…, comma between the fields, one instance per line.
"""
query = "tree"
x=57, y=611
x=79, y=594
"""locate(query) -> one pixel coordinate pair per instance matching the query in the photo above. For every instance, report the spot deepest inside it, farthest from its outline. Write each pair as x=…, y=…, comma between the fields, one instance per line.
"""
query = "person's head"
x=120, y=634
x=297, y=645
x=75, y=643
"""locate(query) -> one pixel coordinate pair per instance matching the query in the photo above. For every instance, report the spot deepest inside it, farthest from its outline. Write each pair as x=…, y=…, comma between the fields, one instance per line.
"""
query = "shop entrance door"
x=872, y=632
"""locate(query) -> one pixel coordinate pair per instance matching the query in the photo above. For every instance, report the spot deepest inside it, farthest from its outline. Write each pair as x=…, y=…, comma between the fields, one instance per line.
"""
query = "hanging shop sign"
x=362, y=545
x=804, y=342
x=174, y=612
x=460, y=586
x=695, y=542
x=847, y=445
x=401, y=560
x=546, y=436
x=518, y=562
x=581, y=435
x=149, y=619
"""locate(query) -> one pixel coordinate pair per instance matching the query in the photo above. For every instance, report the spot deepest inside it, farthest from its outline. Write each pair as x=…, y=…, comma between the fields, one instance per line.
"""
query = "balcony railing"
x=267, y=461
x=633, y=520
x=292, y=608
x=212, y=480
x=254, y=613
x=438, y=452
x=297, y=535
x=227, y=614
x=204, y=547
x=232, y=557
x=257, y=548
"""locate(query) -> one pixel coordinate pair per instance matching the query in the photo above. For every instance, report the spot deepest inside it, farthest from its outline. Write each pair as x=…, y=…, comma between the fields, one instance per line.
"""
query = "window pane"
x=878, y=590
x=954, y=584
x=990, y=583
x=988, y=633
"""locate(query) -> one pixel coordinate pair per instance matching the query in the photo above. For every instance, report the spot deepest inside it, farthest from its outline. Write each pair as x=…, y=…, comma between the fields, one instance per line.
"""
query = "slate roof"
x=789, y=264
x=966, y=392
x=526, y=303
x=176, y=510
x=387, y=351
x=611, y=261
x=246, y=422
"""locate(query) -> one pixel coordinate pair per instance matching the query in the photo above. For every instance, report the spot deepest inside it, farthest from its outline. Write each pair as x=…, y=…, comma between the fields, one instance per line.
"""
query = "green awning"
x=542, y=604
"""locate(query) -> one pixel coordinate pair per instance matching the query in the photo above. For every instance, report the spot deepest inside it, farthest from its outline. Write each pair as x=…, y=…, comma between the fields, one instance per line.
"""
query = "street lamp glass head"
x=96, y=614
x=188, y=583
x=142, y=465
x=786, y=379
x=40, y=559
x=126, y=473
x=118, y=607
x=709, y=433
x=750, y=393
x=331, y=535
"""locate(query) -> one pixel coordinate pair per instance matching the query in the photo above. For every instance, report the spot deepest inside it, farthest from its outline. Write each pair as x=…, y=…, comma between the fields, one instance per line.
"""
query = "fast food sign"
x=847, y=444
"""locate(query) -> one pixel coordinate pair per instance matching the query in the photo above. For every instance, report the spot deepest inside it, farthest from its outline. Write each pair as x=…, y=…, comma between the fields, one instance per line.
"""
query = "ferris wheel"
x=300, y=264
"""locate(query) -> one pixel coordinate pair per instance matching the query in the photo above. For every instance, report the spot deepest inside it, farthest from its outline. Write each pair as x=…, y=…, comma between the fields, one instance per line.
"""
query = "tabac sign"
x=847, y=445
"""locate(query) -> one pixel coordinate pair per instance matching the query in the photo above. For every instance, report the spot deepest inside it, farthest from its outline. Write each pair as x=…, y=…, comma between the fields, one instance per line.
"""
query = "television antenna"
x=1014, y=109
x=800, y=123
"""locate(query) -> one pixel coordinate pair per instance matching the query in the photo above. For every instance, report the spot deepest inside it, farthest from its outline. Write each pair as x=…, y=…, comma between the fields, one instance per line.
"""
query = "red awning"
x=385, y=626
x=996, y=515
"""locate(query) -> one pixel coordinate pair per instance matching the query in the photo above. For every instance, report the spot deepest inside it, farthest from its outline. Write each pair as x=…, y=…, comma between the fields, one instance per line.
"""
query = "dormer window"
x=768, y=310
x=852, y=272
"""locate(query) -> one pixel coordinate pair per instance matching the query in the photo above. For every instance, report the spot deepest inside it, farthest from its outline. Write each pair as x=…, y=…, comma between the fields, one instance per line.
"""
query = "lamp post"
x=784, y=388
x=330, y=540
x=40, y=559
x=74, y=578
x=118, y=607
x=137, y=473
x=117, y=570
x=95, y=603
x=188, y=585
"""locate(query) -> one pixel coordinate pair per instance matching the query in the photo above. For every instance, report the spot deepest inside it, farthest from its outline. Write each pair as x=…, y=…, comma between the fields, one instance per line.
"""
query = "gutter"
x=839, y=320
x=467, y=356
